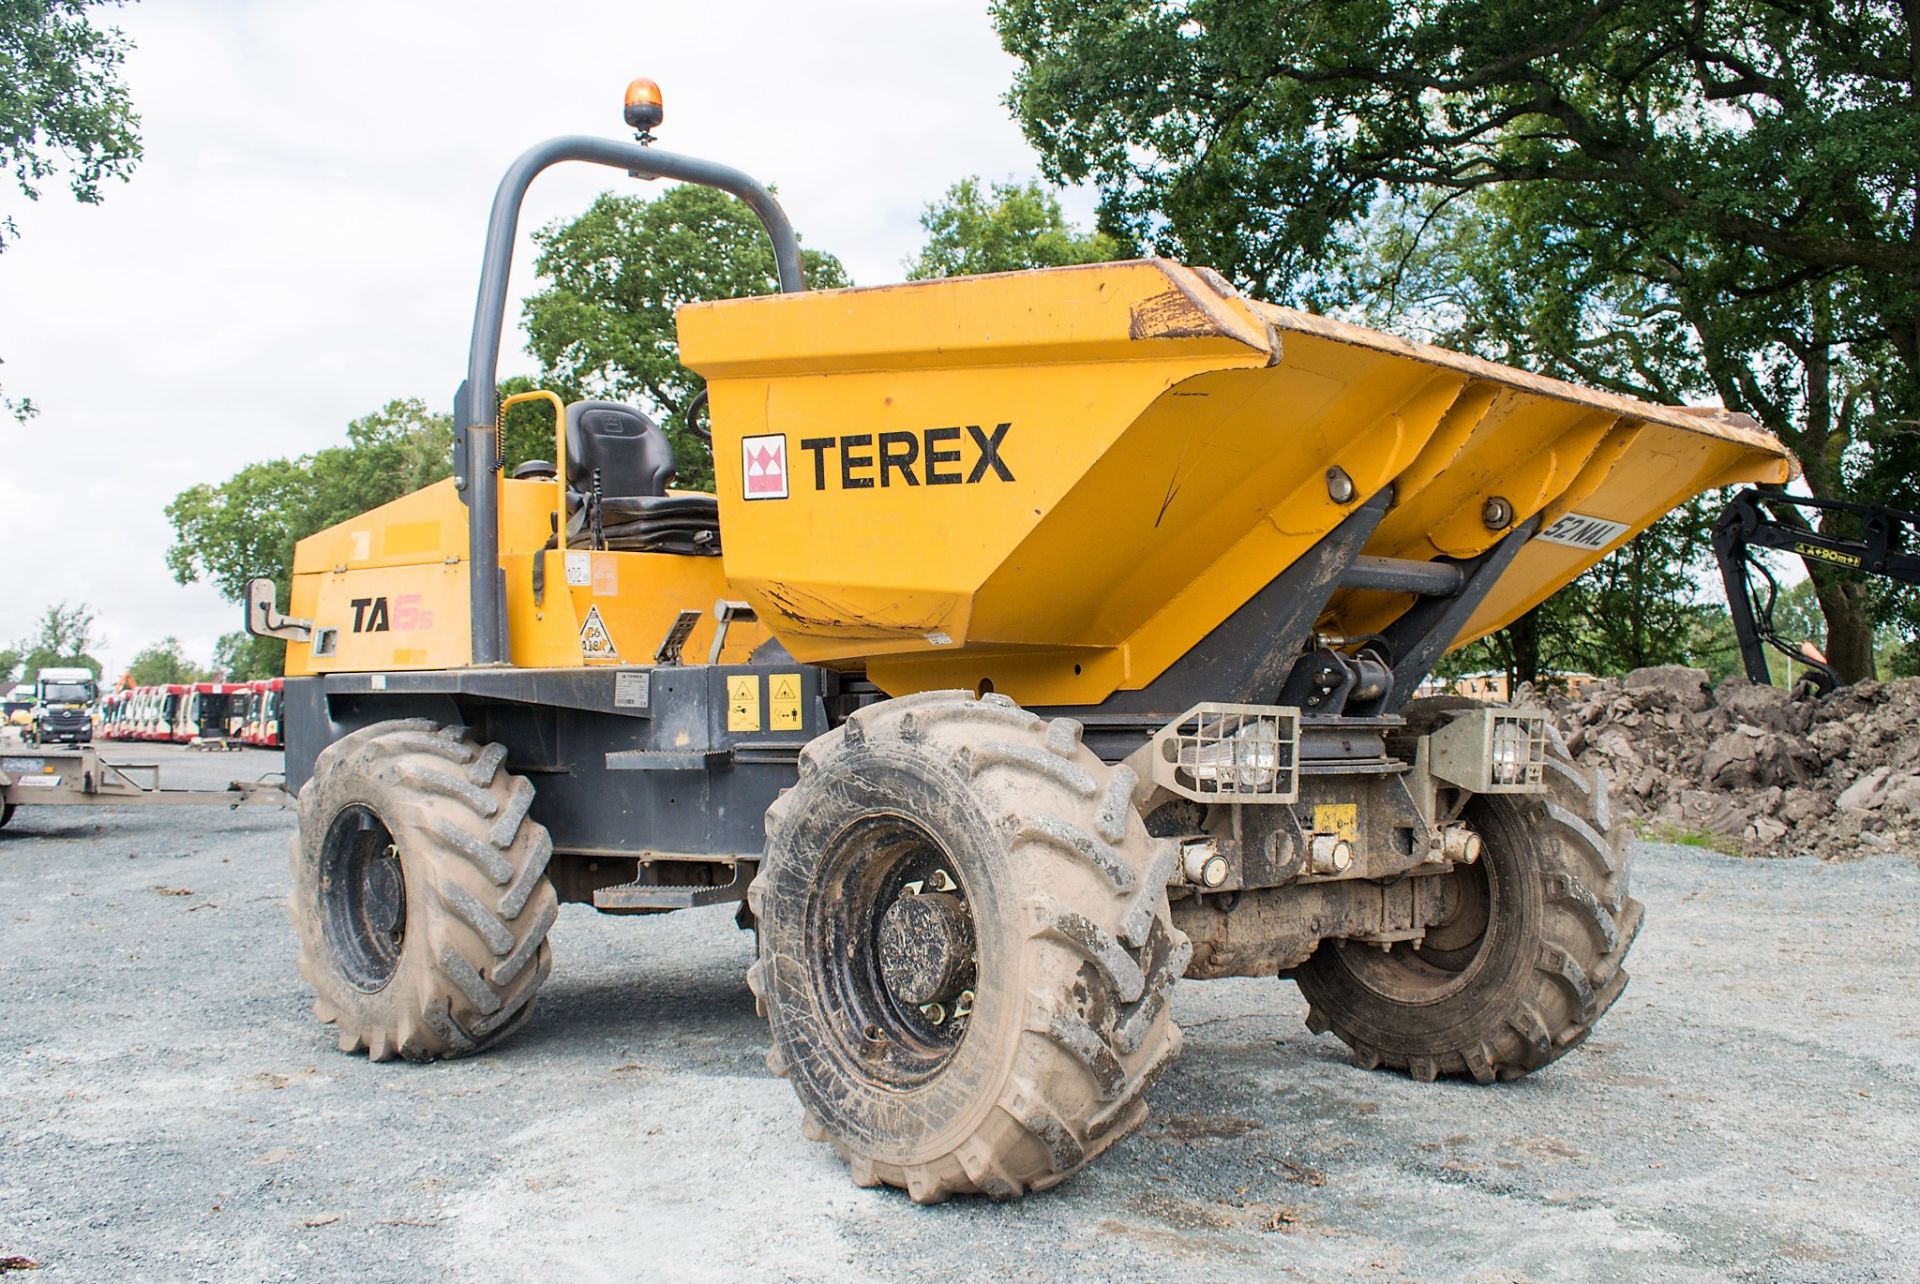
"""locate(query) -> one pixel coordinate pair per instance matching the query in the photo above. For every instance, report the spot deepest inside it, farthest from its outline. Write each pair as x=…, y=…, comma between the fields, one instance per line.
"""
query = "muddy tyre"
x=420, y=892
x=965, y=949
x=1530, y=961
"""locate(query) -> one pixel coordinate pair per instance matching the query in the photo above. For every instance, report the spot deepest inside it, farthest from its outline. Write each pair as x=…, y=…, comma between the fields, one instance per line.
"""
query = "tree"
x=163, y=662
x=1665, y=198
x=231, y=531
x=62, y=104
x=1013, y=227
x=10, y=657
x=65, y=641
x=604, y=323
x=248, y=525
x=245, y=658
x=529, y=432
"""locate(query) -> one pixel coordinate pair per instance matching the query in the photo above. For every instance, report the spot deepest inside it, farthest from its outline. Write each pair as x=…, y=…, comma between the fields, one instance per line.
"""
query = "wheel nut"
x=934, y=1013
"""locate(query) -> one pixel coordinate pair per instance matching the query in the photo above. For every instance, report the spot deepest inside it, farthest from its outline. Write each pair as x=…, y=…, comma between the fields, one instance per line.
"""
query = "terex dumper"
x=1049, y=637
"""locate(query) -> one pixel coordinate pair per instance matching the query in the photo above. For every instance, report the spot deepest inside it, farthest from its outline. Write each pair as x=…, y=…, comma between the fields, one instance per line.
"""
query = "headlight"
x=1510, y=752
x=1237, y=752
x=1247, y=760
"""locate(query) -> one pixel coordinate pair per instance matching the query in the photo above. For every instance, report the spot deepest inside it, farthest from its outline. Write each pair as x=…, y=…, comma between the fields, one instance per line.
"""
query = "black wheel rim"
x=363, y=889
x=1447, y=961
x=881, y=1036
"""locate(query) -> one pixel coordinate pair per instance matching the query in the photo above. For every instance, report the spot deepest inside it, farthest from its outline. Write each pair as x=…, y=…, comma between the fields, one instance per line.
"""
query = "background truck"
x=62, y=707
x=17, y=708
x=1050, y=637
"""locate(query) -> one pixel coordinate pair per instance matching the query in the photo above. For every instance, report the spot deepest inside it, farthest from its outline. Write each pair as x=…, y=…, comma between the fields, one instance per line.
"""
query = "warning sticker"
x=783, y=702
x=1342, y=820
x=579, y=570
x=595, y=642
x=743, y=703
x=1592, y=533
x=763, y=466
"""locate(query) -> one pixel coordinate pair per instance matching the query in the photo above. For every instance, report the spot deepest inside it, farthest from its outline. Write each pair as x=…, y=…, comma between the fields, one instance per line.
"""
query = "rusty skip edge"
x=1711, y=421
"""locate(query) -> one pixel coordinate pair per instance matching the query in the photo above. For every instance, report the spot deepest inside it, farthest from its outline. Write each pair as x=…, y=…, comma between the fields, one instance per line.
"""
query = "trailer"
x=80, y=777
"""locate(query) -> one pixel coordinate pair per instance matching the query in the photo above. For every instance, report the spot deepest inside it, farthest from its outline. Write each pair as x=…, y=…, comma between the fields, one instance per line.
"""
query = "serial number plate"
x=1592, y=533
x=632, y=690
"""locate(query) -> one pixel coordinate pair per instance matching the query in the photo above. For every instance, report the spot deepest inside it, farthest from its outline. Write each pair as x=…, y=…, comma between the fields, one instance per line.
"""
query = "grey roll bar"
x=476, y=401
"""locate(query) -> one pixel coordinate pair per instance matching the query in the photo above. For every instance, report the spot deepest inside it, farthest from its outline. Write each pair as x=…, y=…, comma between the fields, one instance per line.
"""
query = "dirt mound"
x=1837, y=776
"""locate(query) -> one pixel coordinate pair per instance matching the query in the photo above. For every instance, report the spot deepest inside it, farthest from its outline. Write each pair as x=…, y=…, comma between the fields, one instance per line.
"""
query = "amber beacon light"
x=644, y=111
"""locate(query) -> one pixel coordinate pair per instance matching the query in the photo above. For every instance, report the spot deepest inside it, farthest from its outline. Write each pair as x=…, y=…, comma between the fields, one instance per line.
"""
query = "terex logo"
x=936, y=456
x=763, y=466
x=371, y=614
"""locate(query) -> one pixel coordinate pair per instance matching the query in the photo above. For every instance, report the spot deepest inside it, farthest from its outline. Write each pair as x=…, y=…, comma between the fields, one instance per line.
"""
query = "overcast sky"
x=301, y=242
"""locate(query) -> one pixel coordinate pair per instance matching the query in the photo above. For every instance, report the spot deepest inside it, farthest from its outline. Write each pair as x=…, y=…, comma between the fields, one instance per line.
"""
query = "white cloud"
x=301, y=242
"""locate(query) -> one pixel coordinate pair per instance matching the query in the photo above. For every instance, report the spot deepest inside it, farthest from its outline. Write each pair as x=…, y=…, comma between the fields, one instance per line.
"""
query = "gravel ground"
x=169, y=1109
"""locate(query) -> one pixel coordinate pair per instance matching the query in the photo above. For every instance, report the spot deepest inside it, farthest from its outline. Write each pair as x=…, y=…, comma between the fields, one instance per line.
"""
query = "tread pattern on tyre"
x=1095, y=920
x=479, y=903
x=1588, y=926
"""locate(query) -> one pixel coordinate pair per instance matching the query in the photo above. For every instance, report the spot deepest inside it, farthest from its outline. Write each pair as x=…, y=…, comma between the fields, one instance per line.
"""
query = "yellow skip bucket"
x=1058, y=482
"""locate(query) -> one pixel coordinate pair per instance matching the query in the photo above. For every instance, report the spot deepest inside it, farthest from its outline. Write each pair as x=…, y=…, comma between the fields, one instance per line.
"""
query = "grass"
x=1668, y=833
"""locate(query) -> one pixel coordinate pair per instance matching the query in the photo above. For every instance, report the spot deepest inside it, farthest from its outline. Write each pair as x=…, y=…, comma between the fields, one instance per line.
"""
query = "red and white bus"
x=180, y=713
x=262, y=725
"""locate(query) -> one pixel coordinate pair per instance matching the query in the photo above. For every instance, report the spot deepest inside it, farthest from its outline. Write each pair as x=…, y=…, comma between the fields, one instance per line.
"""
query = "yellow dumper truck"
x=1049, y=637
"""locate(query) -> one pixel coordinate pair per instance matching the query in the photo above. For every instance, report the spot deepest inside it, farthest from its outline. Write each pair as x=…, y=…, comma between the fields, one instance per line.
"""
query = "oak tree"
x=1668, y=198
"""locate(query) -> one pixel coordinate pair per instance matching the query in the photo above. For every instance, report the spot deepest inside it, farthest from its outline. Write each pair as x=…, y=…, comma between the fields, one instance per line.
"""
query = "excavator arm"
x=1752, y=589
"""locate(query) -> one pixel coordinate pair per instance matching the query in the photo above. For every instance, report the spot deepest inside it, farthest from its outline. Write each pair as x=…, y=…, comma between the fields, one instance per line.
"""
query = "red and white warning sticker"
x=763, y=466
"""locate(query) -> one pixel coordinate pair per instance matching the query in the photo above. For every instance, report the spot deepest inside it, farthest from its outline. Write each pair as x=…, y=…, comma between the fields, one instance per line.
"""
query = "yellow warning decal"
x=1342, y=820
x=595, y=642
x=743, y=702
x=783, y=702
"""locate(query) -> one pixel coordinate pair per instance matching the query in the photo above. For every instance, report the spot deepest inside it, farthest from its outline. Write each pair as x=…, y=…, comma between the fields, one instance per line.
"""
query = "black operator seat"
x=635, y=463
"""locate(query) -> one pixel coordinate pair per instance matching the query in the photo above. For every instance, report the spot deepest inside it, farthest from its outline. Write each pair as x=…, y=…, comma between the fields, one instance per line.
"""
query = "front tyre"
x=1531, y=958
x=420, y=894
x=965, y=948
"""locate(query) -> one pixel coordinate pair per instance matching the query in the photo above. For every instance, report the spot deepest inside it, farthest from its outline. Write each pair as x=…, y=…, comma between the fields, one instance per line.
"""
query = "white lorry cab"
x=63, y=707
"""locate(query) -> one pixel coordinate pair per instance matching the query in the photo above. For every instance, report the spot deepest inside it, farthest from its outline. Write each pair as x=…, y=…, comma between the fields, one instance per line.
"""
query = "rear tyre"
x=420, y=893
x=6, y=814
x=965, y=949
x=1530, y=960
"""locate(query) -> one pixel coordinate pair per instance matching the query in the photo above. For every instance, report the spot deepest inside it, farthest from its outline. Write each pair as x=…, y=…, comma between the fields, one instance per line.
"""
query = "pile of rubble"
x=1758, y=771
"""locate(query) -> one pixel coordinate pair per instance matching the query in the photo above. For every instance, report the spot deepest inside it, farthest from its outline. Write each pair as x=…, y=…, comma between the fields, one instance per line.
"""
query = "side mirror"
x=263, y=615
